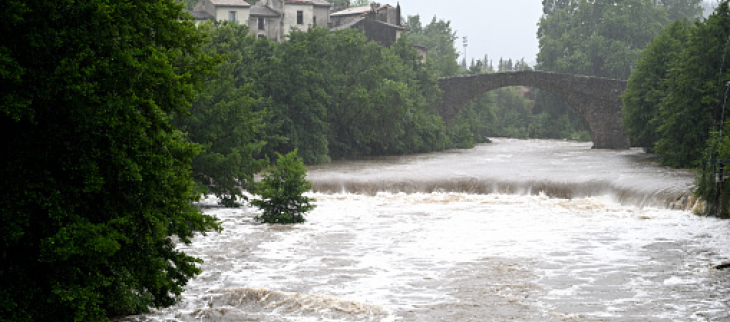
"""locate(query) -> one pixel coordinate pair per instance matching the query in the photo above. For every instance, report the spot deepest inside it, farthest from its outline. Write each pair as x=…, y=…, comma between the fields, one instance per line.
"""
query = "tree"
x=715, y=194
x=360, y=3
x=693, y=106
x=600, y=38
x=679, y=9
x=550, y=6
x=296, y=82
x=96, y=182
x=230, y=119
x=281, y=191
x=648, y=84
x=439, y=38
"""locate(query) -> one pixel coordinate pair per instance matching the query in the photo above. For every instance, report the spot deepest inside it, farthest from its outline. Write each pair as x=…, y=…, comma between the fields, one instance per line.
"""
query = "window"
x=262, y=23
x=232, y=16
x=315, y=20
x=300, y=17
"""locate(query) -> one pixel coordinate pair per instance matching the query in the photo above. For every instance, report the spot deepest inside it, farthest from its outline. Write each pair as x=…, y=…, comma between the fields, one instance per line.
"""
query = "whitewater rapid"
x=432, y=250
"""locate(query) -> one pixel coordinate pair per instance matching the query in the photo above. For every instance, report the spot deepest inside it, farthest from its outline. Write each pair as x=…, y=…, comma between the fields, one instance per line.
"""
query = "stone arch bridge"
x=597, y=100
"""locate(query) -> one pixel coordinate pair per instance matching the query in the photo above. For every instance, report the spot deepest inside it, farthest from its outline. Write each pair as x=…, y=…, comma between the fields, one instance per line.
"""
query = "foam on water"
x=451, y=256
x=444, y=254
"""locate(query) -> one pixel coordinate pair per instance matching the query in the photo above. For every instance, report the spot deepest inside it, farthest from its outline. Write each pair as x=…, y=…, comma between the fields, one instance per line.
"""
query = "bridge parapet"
x=597, y=100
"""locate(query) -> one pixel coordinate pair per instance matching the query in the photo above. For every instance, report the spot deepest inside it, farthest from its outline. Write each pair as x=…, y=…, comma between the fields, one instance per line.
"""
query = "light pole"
x=465, y=45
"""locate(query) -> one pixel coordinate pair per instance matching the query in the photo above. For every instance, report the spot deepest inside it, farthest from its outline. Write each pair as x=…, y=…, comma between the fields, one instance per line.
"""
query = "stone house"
x=273, y=19
x=381, y=23
x=221, y=10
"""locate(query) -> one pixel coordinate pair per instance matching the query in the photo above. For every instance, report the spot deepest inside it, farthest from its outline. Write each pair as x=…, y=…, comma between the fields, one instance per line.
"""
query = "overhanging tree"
x=648, y=84
x=282, y=191
x=230, y=119
x=96, y=182
x=692, y=107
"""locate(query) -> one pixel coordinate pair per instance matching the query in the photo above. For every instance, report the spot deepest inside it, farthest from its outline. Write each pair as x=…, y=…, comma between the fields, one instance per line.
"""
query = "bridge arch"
x=597, y=100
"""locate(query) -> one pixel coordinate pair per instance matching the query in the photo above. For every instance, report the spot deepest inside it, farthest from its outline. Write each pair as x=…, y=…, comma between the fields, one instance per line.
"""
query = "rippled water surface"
x=511, y=231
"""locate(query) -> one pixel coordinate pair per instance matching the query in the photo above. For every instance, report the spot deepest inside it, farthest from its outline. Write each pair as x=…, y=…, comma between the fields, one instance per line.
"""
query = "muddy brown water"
x=509, y=231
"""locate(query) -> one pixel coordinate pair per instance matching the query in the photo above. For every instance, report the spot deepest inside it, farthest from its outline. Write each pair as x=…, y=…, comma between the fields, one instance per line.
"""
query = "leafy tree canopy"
x=230, y=119
x=693, y=104
x=439, y=38
x=648, y=84
x=282, y=191
x=598, y=38
x=96, y=182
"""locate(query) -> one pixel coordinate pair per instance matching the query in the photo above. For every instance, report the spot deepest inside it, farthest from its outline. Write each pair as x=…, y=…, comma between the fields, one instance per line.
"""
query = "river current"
x=508, y=231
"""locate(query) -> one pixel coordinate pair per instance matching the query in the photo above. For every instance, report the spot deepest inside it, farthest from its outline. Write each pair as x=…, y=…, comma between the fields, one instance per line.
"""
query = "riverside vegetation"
x=676, y=99
x=121, y=114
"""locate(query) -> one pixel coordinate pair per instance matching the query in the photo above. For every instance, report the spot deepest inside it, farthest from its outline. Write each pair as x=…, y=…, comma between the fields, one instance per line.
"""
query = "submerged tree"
x=282, y=191
x=96, y=182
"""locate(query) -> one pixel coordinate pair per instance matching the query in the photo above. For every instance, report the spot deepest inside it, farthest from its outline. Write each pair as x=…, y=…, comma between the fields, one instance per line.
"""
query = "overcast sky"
x=498, y=28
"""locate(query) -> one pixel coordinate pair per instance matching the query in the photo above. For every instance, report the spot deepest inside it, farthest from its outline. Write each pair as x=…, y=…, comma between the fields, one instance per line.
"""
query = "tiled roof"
x=201, y=15
x=351, y=11
x=355, y=21
x=357, y=10
x=349, y=24
x=314, y=2
x=263, y=11
x=230, y=3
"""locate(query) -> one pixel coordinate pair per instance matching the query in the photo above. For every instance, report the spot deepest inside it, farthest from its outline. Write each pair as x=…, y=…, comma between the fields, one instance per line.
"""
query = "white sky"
x=497, y=28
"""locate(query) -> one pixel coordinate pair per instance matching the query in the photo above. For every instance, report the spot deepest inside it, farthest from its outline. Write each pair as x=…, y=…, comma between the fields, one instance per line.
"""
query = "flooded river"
x=508, y=231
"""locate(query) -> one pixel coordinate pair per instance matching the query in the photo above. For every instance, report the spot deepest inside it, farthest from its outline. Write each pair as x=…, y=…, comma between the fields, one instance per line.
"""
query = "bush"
x=281, y=191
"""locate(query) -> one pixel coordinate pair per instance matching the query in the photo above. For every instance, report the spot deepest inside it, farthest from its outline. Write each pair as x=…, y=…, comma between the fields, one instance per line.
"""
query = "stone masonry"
x=597, y=100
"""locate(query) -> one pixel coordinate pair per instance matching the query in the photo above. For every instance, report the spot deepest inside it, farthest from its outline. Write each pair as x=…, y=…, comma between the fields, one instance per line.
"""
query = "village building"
x=273, y=19
x=380, y=23
x=276, y=19
x=221, y=10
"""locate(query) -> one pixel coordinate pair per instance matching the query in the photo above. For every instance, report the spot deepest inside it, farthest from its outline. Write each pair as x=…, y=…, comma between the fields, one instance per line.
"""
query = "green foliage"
x=359, y=3
x=550, y=6
x=338, y=95
x=230, y=119
x=327, y=95
x=281, y=191
x=189, y=4
x=648, y=84
x=601, y=38
x=380, y=99
x=439, y=38
x=716, y=195
x=693, y=102
x=598, y=38
x=681, y=9
x=475, y=123
x=96, y=182
x=296, y=80
x=676, y=102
